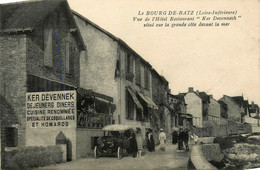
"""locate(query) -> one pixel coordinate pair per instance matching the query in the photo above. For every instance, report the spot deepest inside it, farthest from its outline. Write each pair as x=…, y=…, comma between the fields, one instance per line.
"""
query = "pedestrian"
x=139, y=142
x=150, y=141
x=174, y=136
x=194, y=138
x=133, y=144
x=180, y=139
x=186, y=139
x=162, y=139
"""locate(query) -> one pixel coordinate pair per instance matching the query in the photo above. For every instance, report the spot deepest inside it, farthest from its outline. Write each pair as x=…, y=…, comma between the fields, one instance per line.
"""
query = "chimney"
x=198, y=92
x=211, y=96
x=190, y=89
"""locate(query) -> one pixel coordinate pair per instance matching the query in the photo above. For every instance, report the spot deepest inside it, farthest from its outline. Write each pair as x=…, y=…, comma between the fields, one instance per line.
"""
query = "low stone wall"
x=198, y=160
x=204, y=152
x=212, y=152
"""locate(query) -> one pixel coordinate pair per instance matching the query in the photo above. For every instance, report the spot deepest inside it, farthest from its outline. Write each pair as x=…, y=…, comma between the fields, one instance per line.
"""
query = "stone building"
x=197, y=106
x=40, y=49
x=111, y=67
x=234, y=109
x=179, y=116
x=58, y=50
x=160, y=88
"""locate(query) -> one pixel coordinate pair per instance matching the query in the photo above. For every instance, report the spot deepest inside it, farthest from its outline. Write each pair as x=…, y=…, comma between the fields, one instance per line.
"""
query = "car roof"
x=117, y=127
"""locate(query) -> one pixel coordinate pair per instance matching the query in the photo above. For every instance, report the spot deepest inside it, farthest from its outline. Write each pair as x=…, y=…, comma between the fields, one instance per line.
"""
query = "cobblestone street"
x=170, y=159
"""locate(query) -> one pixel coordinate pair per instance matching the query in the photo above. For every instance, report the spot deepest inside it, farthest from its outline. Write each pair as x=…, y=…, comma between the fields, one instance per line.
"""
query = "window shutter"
x=48, y=47
x=137, y=72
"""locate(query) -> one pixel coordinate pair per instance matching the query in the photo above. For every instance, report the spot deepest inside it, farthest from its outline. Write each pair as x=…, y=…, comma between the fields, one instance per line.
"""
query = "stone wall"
x=12, y=87
x=13, y=83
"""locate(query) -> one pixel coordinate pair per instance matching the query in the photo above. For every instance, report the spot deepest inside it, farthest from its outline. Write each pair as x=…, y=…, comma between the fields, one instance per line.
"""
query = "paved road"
x=170, y=159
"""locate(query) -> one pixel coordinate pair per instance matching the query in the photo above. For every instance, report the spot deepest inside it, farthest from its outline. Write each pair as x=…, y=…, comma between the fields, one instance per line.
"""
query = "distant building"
x=197, y=106
x=214, y=113
x=253, y=117
x=179, y=116
x=235, y=108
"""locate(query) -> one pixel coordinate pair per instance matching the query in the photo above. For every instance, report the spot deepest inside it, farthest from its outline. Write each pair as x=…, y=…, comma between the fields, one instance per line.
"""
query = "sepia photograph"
x=130, y=84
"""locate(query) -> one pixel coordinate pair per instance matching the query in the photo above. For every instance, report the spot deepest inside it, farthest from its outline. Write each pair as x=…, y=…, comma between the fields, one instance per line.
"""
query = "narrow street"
x=170, y=159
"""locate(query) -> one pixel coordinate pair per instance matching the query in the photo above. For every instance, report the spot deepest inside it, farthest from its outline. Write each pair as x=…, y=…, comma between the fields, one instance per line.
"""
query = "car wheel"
x=119, y=153
x=95, y=152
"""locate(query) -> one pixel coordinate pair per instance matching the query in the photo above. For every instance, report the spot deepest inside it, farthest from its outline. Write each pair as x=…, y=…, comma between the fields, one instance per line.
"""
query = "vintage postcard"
x=130, y=84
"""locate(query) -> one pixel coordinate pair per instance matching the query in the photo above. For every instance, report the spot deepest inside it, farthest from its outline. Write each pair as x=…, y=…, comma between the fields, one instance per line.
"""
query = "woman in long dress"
x=133, y=144
x=150, y=141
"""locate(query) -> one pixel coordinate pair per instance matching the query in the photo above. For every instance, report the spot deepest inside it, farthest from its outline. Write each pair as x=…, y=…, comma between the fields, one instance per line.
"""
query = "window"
x=48, y=47
x=11, y=136
x=68, y=63
x=137, y=72
x=129, y=106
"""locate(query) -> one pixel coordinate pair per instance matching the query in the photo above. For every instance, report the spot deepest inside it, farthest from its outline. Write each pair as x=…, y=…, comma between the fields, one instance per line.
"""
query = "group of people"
x=181, y=137
x=136, y=143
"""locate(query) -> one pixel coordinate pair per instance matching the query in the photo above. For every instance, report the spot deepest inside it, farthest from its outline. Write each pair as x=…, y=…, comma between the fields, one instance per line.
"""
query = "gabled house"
x=197, y=106
x=40, y=51
x=235, y=108
x=243, y=104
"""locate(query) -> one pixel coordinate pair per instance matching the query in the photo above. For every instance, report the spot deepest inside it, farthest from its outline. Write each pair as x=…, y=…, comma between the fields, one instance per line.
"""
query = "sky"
x=217, y=60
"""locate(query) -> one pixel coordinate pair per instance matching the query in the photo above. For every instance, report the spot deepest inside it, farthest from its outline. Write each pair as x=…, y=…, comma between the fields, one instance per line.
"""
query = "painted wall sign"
x=51, y=109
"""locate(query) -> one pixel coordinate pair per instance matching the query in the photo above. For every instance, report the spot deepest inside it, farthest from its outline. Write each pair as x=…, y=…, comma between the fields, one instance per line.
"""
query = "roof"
x=239, y=100
x=179, y=96
x=27, y=15
x=204, y=96
x=111, y=36
x=162, y=78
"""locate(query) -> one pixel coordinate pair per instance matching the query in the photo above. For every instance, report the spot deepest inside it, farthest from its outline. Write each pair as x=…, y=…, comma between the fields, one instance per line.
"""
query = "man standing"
x=180, y=139
x=162, y=139
x=174, y=136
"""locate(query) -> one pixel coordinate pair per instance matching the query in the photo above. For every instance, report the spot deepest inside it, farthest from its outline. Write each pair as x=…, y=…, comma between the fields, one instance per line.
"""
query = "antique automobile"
x=115, y=141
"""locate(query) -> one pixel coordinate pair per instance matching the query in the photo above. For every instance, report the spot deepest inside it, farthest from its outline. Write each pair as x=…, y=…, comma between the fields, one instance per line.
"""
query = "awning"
x=132, y=93
x=188, y=116
x=117, y=127
x=92, y=93
x=148, y=101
